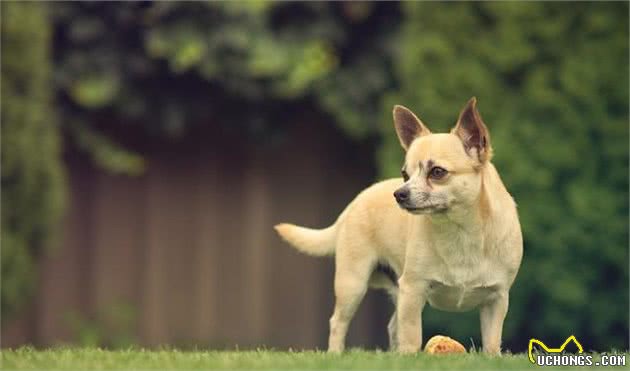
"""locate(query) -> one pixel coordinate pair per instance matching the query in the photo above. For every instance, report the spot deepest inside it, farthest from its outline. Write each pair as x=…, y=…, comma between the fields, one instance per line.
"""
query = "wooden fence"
x=189, y=247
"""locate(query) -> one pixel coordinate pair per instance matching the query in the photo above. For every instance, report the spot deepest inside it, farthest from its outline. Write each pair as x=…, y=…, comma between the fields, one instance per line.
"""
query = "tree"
x=32, y=176
x=168, y=67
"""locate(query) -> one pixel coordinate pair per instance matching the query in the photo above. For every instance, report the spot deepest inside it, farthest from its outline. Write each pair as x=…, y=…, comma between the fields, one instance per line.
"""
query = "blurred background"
x=149, y=148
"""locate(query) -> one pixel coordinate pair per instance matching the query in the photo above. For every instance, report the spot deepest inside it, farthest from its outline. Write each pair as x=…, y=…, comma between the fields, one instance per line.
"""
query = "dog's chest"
x=461, y=276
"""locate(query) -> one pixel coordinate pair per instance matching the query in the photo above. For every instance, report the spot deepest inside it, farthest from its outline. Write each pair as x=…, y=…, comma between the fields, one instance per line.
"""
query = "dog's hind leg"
x=392, y=326
x=386, y=279
x=392, y=331
x=352, y=273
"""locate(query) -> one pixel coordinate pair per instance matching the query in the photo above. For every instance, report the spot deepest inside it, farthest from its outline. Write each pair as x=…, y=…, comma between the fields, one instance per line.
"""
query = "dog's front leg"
x=492, y=315
x=411, y=300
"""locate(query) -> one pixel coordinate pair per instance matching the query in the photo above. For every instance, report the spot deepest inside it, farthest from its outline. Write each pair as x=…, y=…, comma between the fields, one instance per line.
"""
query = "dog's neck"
x=458, y=220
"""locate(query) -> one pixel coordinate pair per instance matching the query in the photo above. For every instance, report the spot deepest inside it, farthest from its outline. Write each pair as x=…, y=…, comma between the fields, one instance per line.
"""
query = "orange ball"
x=443, y=345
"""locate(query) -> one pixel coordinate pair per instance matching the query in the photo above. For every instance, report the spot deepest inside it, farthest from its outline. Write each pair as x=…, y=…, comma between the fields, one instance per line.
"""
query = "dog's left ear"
x=473, y=132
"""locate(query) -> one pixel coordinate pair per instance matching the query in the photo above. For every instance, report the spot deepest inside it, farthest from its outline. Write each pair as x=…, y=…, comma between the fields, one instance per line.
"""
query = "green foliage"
x=171, y=66
x=114, y=327
x=552, y=84
x=110, y=156
x=32, y=177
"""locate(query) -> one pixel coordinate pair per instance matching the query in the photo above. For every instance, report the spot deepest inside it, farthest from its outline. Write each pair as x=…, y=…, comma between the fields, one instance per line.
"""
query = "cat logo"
x=552, y=350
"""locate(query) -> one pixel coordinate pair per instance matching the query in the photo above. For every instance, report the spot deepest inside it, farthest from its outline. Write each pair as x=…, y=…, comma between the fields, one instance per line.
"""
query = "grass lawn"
x=90, y=358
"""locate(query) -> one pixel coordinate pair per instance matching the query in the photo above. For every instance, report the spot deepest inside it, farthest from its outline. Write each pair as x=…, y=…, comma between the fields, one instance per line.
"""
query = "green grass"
x=91, y=358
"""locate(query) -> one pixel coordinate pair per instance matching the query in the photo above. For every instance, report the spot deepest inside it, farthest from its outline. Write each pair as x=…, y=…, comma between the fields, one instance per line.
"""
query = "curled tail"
x=317, y=242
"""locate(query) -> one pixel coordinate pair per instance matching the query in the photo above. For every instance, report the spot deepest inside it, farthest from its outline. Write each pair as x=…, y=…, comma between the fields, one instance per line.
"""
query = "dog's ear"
x=408, y=126
x=473, y=132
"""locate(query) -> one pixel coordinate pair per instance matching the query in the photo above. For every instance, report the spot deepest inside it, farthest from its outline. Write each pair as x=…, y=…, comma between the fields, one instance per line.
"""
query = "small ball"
x=443, y=345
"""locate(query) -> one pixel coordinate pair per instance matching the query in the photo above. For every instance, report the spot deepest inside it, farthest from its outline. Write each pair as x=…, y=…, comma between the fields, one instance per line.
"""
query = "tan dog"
x=449, y=229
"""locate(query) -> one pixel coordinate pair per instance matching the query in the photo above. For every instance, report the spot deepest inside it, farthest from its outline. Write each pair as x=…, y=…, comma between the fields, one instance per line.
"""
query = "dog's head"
x=441, y=171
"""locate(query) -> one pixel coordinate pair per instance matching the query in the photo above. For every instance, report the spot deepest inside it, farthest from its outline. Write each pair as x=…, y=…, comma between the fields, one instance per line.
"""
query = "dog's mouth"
x=429, y=209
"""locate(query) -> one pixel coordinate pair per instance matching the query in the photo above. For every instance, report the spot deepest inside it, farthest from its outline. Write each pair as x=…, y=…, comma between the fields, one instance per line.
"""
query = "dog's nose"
x=401, y=195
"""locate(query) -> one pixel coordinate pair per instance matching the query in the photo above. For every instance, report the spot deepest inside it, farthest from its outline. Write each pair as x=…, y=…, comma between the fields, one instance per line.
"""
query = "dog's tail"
x=317, y=242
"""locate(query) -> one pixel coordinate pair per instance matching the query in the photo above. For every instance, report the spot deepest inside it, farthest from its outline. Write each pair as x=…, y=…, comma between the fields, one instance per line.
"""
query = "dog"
x=446, y=234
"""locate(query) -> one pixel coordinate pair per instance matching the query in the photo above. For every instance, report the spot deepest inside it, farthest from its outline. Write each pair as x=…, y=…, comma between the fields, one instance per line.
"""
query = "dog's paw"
x=406, y=349
x=442, y=345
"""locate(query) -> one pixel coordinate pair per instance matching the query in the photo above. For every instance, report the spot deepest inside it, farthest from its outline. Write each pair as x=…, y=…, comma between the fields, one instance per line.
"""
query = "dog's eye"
x=404, y=175
x=438, y=172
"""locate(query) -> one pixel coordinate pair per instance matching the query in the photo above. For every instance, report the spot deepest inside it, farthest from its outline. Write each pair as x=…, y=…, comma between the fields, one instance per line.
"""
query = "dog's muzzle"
x=403, y=198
